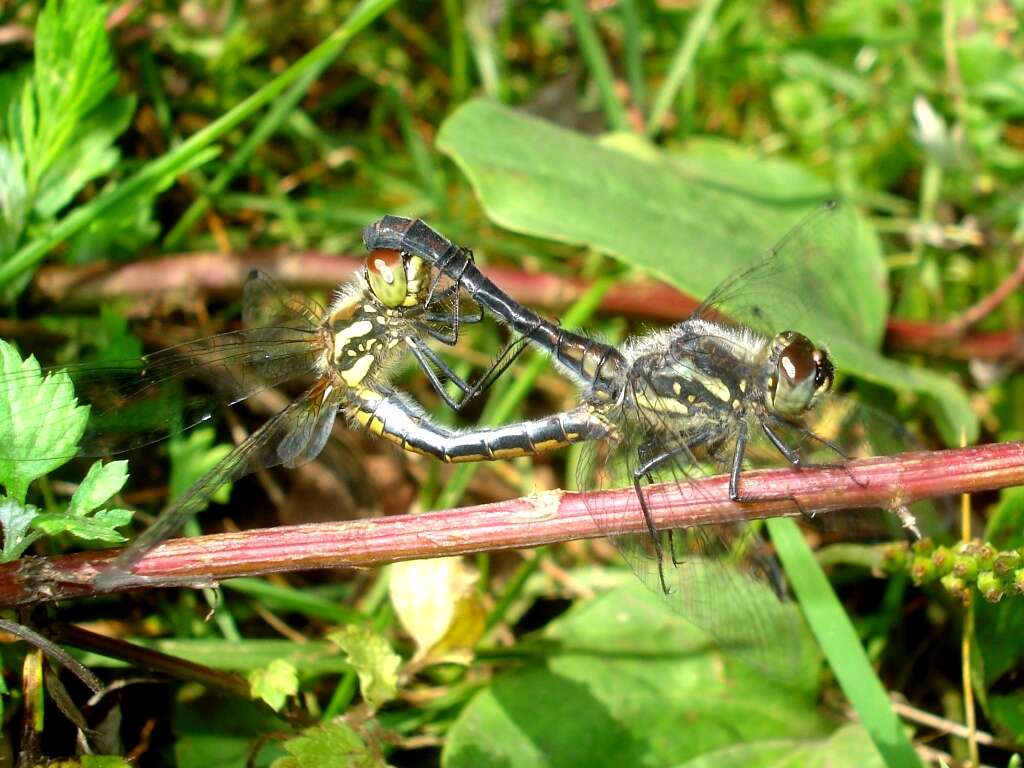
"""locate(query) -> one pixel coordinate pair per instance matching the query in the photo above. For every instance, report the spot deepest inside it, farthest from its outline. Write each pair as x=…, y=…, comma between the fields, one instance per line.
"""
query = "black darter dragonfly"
x=387, y=311
x=713, y=392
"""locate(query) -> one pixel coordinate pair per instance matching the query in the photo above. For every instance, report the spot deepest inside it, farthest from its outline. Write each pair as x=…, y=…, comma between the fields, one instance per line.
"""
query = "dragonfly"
x=713, y=393
x=389, y=310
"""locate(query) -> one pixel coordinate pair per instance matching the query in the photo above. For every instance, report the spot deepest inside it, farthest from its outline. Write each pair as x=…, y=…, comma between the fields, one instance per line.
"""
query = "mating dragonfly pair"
x=661, y=408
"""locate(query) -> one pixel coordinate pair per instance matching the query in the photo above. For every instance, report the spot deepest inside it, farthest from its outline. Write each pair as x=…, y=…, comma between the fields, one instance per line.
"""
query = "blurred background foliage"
x=262, y=132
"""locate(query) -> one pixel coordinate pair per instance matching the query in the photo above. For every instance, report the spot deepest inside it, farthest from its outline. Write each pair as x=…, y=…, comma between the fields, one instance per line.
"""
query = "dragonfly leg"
x=652, y=532
x=447, y=265
x=737, y=466
x=431, y=362
x=794, y=458
x=649, y=461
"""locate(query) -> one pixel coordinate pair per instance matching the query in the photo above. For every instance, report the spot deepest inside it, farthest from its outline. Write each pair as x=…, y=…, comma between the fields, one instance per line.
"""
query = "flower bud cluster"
x=961, y=568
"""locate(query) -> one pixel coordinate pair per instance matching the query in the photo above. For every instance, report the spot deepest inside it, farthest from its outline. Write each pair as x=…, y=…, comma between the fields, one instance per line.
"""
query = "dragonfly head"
x=798, y=373
x=387, y=277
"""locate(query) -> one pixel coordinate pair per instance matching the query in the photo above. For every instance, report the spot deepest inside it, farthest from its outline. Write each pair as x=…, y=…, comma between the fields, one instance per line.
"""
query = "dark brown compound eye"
x=799, y=360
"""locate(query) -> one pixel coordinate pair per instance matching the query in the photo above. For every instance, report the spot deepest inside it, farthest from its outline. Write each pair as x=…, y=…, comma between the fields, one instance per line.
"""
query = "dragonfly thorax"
x=796, y=373
x=699, y=379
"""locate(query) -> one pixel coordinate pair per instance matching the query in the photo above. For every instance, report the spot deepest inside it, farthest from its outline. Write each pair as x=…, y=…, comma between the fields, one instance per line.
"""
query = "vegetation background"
x=680, y=138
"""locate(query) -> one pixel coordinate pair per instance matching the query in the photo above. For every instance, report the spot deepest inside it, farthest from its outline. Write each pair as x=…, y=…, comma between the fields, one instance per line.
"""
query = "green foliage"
x=330, y=744
x=376, y=664
x=274, y=129
x=35, y=443
x=60, y=119
x=274, y=683
x=192, y=457
x=217, y=731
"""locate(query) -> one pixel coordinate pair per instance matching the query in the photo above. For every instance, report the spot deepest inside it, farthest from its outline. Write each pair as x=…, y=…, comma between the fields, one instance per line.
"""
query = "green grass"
x=287, y=128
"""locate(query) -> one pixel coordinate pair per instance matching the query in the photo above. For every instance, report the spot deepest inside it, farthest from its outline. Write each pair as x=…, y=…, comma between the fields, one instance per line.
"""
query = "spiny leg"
x=429, y=360
x=737, y=466
x=649, y=462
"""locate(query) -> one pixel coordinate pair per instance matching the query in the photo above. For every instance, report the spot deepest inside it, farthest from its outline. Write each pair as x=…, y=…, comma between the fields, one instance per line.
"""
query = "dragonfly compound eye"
x=801, y=371
x=385, y=272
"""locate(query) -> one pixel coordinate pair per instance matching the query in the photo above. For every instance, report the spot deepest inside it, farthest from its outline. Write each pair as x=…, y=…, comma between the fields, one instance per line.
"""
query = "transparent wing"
x=136, y=402
x=792, y=285
x=265, y=302
x=293, y=436
x=721, y=578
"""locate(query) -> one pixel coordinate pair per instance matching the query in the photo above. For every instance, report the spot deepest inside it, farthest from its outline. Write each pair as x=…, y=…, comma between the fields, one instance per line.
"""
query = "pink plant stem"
x=530, y=521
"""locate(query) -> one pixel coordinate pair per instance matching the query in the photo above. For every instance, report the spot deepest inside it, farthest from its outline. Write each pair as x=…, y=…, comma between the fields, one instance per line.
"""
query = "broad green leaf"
x=15, y=520
x=1007, y=709
x=328, y=745
x=274, y=683
x=626, y=681
x=847, y=747
x=648, y=209
x=33, y=443
x=376, y=664
x=101, y=482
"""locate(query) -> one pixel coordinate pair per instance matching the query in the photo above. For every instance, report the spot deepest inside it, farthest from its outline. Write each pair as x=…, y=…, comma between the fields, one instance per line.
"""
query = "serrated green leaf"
x=101, y=482
x=274, y=683
x=89, y=154
x=33, y=443
x=74, y=73
x=376, y=664
x=329, y=745
x=15, y=520
x=98, y=528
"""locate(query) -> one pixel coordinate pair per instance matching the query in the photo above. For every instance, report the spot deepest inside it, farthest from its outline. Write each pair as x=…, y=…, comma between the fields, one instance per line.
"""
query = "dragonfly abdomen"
x=395, y=419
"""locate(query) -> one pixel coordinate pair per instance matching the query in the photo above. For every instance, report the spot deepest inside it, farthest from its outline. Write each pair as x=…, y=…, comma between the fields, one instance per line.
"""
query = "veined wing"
x=721, y=578
x=292, y=437
x=792, y=285
x=136, y=402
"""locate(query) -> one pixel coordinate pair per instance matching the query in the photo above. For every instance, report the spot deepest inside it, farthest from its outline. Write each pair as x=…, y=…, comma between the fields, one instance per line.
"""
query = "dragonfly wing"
x=265, y=302
x=723, y=578
x=139, y=402
x=262, y=449
x=792, y=286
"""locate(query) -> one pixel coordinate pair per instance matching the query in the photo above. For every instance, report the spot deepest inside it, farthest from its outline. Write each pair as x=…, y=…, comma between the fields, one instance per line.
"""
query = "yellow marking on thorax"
x=661, y=404
x=354, y=330
x=354, y=376
x=716, y=387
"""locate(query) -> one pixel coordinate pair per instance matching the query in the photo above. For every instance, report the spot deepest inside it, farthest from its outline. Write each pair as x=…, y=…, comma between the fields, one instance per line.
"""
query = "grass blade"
x=838, y=639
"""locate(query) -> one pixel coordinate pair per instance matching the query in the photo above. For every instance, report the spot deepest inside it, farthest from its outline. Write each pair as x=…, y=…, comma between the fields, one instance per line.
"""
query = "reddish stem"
x=531, y=521
x=223, y=274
